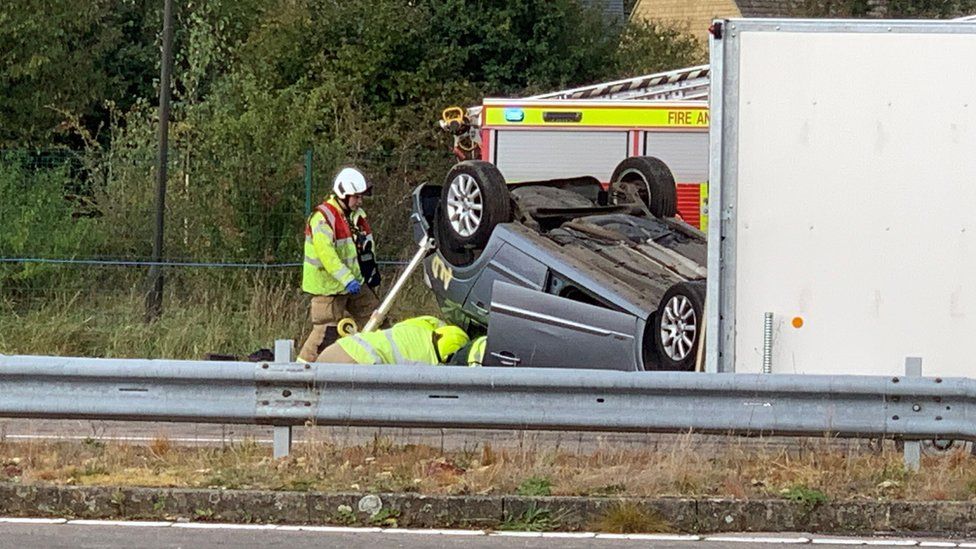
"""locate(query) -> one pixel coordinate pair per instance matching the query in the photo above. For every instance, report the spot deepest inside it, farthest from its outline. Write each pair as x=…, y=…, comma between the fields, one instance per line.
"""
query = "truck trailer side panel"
x=848, y=181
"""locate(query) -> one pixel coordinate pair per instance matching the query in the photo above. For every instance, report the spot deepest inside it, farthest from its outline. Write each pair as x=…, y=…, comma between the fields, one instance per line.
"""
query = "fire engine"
x=592, y=130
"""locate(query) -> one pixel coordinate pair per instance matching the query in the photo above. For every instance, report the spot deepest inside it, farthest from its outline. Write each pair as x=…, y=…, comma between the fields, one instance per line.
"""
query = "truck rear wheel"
x=651, y=179
x=474, y=200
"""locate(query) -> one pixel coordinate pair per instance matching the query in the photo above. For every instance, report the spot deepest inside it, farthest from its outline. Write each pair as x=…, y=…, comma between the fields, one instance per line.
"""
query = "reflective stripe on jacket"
x=402, y=344
x=476, y=355
x=330, y=251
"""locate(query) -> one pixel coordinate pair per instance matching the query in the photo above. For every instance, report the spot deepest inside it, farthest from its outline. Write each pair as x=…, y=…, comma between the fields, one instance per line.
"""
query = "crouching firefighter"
x=405, y=343
x=472, y=354
x=331, y=273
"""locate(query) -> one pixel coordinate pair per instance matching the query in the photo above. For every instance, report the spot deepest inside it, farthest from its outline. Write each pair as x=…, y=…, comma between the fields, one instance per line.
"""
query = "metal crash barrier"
x=285, y=394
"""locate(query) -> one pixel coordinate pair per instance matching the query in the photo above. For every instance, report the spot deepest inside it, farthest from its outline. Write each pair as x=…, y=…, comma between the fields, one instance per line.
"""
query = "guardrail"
x=285, y=394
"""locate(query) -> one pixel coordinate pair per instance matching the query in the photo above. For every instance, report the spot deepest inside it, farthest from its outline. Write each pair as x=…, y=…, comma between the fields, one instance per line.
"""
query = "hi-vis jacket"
x=331, y=260
x=401, y=344
x=476, y=354
x=472, y=354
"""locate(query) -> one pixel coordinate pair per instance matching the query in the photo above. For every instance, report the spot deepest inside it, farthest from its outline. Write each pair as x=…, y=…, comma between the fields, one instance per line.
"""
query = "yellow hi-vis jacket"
x=476, y=355
x=401, y=344
x=331, y=260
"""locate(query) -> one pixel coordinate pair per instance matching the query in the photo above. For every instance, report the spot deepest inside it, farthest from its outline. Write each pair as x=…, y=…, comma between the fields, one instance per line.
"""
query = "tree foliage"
x=69, y=56
x=654, y=46
x=258, y=82
x=894, y=9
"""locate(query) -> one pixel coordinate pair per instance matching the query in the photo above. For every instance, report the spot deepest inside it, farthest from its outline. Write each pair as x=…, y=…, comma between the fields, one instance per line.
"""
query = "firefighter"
x=472, y=354
x=425, y=320
x=411, y=343
x=337, y=236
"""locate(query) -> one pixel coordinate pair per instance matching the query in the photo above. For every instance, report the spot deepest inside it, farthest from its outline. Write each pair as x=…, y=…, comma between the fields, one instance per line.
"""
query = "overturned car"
x=567, y=273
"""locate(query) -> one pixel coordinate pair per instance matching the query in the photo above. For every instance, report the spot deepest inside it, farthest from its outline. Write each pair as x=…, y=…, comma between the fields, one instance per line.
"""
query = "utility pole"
x=154, y=297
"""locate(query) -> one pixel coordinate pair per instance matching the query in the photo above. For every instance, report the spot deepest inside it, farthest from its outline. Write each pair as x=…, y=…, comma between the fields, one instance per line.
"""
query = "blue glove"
x=353, y=287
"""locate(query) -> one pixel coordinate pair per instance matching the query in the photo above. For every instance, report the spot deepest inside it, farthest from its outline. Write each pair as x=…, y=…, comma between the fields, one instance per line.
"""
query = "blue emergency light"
x=514, y=115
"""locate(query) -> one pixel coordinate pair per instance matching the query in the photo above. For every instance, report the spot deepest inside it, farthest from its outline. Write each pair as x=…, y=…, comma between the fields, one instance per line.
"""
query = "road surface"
x=21, y=533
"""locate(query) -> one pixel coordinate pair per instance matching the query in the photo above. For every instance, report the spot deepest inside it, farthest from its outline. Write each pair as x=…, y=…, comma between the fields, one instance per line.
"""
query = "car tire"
x=678, y=325
x=474, y=200
x=457, y=256
x=653, y=181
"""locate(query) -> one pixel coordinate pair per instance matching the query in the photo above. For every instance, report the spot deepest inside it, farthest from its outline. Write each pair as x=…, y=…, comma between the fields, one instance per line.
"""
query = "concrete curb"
x=487, y=512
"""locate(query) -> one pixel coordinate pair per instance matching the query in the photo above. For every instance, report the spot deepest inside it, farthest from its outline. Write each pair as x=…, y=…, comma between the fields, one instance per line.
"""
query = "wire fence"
x=77, y=227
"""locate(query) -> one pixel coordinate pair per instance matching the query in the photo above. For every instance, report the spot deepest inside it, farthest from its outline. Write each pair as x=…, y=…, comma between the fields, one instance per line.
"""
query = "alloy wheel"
x=679, y=325
x=464, y=205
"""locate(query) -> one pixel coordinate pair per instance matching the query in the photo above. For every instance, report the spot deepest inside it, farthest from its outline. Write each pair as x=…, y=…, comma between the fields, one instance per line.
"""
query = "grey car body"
x=571, y=282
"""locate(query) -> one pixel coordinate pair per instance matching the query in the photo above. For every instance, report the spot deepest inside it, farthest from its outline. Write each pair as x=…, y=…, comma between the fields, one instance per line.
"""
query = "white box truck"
x=843, y=173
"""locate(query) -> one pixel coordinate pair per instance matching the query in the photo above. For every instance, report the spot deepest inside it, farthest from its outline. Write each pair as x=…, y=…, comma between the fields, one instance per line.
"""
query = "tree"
x=257, y=82
x=48, y=63
x=653, y=46
x=893, y=9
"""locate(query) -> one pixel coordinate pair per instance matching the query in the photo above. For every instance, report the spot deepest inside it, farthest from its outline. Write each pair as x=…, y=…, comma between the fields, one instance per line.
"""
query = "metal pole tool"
x=380, y=313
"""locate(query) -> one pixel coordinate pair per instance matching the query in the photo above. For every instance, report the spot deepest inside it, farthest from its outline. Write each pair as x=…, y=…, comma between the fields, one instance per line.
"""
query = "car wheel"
x=679, y=321
x=458, y=256
x=651, y=179
x=474, y=200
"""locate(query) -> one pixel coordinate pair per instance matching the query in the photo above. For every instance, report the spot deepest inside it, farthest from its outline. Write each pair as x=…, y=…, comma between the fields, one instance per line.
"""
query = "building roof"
x=613, y=10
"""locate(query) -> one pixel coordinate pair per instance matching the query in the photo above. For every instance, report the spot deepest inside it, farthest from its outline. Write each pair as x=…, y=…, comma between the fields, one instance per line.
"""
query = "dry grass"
x=227, y=313
x=630, y=518
x=820, y=470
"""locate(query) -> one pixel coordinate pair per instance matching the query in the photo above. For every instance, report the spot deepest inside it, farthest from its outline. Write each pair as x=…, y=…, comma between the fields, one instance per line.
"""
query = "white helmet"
x=350, y=181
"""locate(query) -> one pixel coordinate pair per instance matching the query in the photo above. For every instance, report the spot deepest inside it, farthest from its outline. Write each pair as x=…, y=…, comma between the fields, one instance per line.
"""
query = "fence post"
x=284, y=353
x=154, y=296
x=913, y=448
x=308, y=182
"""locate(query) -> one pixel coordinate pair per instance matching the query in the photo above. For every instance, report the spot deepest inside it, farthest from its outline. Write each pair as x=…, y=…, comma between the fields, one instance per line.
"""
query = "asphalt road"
x=91, y=536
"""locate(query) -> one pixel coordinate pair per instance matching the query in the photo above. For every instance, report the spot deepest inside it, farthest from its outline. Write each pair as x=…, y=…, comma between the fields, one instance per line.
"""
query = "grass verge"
x=227, y=313
x=817, y=472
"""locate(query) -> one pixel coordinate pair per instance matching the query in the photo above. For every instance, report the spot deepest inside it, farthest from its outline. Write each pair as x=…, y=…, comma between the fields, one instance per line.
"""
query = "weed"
x=609, y=490
x=118, y=500
x=535, y=486
x=488, y=456
x=160, y=446
x=809, y=498
x=302, y=484
x=385, y=517
x=94, y=469
x=630, y=518
x=159, y=505
x=203, y=514
x=534, y=519
x=344, y=516
x=93, y=443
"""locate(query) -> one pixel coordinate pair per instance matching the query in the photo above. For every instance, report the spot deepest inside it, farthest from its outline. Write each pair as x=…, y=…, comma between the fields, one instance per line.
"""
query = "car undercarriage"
x=564, y=273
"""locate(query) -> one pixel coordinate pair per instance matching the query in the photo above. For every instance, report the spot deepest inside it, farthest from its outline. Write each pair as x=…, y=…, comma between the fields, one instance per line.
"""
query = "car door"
x=529, y=328
x=508, y=265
